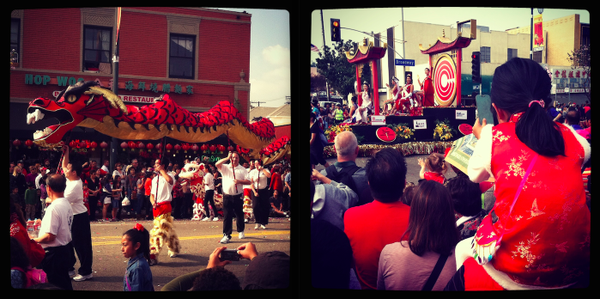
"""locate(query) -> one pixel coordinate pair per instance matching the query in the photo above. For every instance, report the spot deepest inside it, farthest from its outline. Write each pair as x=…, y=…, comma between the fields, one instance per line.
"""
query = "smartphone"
x=230, y=255
x=484, y=108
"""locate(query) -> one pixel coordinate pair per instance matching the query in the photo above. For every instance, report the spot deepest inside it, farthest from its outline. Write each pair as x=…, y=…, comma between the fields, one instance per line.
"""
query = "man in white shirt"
x=80, y=231
x=55, y=234
x=260, y=202
x=209, y=191
x=234, y=177
x=160, y=196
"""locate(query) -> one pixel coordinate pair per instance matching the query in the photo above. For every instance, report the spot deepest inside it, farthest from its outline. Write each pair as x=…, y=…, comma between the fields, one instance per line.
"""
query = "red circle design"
x=445, y=80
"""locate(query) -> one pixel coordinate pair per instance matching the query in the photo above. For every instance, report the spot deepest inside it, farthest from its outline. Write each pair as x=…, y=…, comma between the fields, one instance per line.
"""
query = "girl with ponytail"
x=135, y=245
x=537, y=234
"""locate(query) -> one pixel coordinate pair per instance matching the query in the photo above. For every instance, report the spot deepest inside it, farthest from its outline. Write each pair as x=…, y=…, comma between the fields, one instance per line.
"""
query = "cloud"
x=270, y=78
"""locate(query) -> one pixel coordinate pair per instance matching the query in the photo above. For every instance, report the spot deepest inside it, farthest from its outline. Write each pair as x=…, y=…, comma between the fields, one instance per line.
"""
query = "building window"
x=97, y=48
x=15, y=26
x=181, y=56
x=485, y=54
x=511, y=53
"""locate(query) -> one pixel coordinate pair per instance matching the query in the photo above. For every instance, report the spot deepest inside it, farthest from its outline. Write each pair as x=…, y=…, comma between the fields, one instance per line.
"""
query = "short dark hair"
x=216, y=279
x=466, y=195
x=386, y=174
x=431, y=224
x=572, y=117
x=77, y=168
x=56, y=182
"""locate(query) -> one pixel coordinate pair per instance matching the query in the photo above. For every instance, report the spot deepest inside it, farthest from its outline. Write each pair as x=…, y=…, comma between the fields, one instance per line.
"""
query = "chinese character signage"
x=577, y=80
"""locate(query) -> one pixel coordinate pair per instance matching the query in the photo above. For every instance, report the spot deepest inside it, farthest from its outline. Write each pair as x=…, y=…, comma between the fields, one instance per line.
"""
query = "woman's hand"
x=478, y=126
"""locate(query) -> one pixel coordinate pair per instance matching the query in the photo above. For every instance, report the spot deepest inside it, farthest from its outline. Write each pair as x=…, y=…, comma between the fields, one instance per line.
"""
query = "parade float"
x=426, y=129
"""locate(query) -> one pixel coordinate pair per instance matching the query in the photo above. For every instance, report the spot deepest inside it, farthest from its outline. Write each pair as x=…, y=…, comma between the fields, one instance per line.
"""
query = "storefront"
x=197, y=56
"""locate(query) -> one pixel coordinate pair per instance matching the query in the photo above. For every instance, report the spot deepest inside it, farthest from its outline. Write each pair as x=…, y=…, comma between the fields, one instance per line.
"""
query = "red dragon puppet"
x=86, y=104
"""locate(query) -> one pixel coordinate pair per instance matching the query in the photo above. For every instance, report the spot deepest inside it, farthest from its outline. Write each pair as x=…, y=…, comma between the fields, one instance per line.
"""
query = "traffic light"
x=476, y=67
x=335, y=30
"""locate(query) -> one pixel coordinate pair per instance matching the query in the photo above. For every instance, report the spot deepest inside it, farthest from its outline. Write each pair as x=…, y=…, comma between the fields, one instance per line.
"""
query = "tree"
x=339, y=73
x=581, y=58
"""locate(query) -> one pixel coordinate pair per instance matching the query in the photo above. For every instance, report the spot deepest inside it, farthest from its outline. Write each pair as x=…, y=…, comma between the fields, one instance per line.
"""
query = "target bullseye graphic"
x=444, y=80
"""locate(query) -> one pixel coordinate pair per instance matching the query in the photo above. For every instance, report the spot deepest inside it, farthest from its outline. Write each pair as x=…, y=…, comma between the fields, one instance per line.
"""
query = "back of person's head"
x=431, y=224
x=57, y=183
x=386, y=174
x=330, y=256
x=572, y=116
x=436, y=163
x=346, y=145
x=216, y=279
x=268, y=270
x=139, y=234
x=517, y=83
x=466, y=195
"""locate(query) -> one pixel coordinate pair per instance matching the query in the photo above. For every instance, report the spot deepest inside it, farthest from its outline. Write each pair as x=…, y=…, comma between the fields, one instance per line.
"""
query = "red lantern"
x=221, y=148
x=177, y=147
x=28, y=143
x=149, y=146
x=230, y=148
x=82, y=144
x=93, y=145
x=103, y=145
x=132, y=145
x=212, y=148
x=195, y=148
x=168, y=147
x=16, y=143
x=124, y=145
x=158, y=146
x=204, y=148
x=185, y=147
x=141, y=145
x=73, y=143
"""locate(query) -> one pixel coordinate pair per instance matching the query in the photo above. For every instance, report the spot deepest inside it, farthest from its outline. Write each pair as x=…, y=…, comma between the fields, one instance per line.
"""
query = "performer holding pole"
x=426, y=92
x=233, y=175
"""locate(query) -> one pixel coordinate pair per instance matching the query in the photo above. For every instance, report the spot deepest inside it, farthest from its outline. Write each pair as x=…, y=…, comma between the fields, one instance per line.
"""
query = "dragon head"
x=72, y=106
x=189, y=170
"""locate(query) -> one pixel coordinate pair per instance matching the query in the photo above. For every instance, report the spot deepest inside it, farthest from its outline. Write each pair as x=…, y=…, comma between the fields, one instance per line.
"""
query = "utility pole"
x=323, y=31
x=115, y=84
x=257, y=103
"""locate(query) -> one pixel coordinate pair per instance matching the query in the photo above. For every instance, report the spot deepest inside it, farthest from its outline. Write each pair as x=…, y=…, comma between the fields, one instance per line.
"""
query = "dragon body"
x=86, y=104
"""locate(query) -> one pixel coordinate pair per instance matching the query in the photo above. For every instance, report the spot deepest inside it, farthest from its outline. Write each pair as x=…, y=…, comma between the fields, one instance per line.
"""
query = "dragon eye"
x=71, y=98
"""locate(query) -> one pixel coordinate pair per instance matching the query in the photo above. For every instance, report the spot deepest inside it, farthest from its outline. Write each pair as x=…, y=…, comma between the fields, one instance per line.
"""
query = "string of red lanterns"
x=84, y=145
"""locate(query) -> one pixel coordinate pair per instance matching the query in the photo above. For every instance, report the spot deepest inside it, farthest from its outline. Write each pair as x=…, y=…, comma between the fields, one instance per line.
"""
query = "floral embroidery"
x=499, y=137
x=523, y=250
x=562, y=247
x=516, y=167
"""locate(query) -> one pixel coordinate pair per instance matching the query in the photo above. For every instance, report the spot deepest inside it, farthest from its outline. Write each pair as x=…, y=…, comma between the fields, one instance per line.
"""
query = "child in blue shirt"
x=135, y=245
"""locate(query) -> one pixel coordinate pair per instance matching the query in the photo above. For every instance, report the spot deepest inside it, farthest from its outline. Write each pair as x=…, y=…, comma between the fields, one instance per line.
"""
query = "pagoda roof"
x=366, y=53
x=444, y=44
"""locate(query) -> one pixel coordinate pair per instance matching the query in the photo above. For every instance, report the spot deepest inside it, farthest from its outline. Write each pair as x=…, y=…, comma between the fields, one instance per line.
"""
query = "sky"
x=379, y=19
x=269, y=75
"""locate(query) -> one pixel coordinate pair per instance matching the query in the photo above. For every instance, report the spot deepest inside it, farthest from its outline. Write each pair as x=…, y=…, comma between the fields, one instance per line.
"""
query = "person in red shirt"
x=371, y=226
x=276, y=182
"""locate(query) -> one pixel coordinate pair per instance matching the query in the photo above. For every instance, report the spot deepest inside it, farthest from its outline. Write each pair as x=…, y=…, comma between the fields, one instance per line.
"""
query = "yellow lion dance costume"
x=162, y=233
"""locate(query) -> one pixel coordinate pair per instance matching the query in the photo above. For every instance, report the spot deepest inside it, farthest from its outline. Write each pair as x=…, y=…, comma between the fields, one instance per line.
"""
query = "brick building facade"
x=198, y=56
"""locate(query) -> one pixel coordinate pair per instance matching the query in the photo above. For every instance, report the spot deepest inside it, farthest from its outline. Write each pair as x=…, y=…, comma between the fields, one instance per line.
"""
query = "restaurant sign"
x=65, y=81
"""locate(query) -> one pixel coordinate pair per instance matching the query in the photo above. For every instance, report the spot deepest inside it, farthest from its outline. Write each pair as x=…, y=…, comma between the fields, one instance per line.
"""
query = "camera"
x=230, y=254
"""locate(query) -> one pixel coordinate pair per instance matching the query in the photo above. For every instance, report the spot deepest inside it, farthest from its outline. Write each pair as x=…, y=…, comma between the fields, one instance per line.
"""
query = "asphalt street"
x=198, y=240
